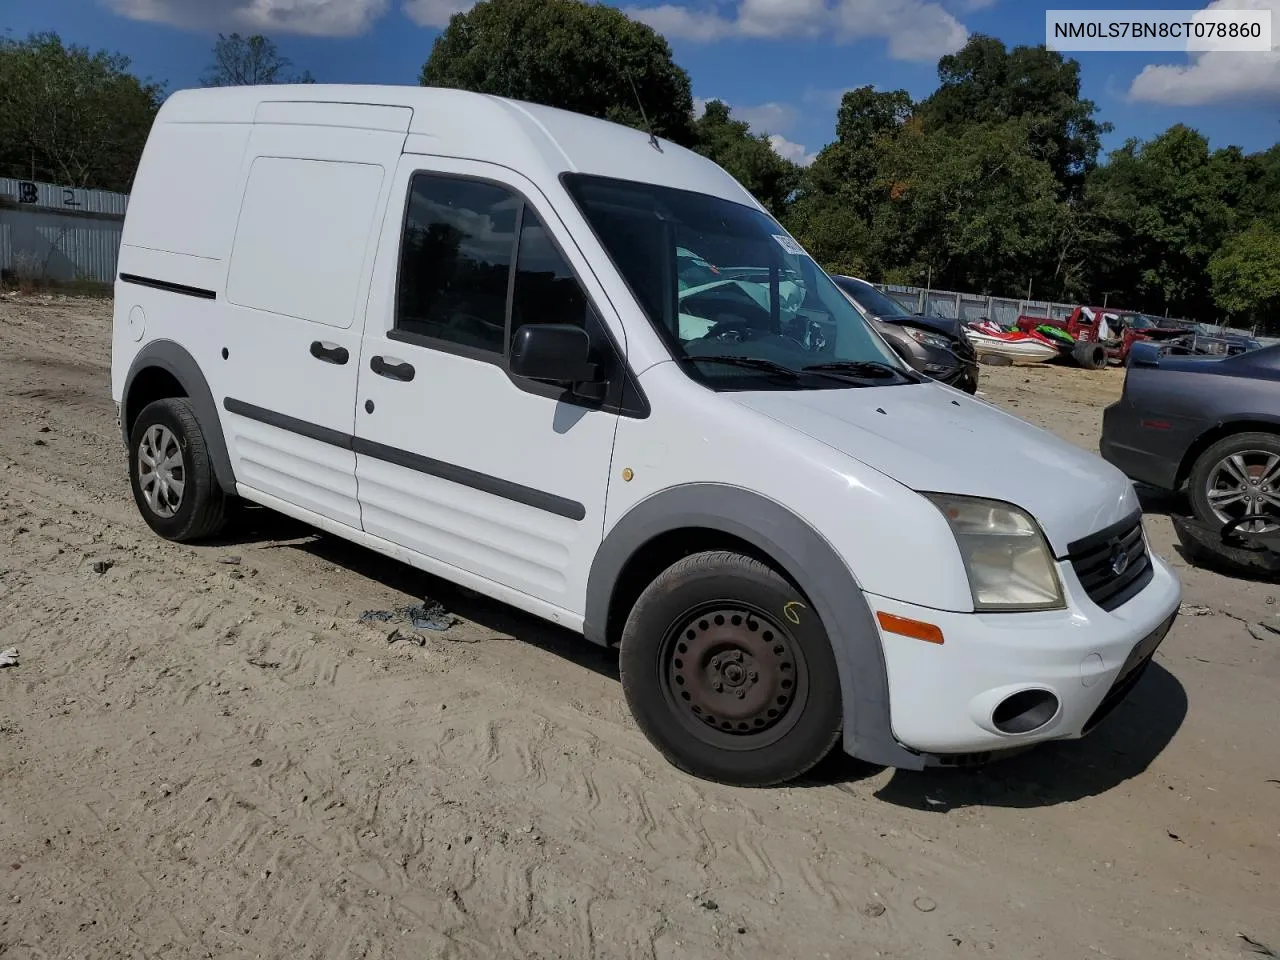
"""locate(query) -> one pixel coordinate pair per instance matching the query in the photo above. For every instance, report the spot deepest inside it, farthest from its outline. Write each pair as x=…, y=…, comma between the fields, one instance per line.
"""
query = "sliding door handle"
x=330, y=353
x=392, y=369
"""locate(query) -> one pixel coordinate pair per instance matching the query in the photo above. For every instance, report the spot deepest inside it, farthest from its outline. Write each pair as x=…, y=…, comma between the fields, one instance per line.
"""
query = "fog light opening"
x=1025, y=711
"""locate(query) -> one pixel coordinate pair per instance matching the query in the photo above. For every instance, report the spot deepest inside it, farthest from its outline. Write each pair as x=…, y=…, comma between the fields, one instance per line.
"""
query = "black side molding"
x=198, y=292
x=314, y=431
x=529, y=497
x=496, y=486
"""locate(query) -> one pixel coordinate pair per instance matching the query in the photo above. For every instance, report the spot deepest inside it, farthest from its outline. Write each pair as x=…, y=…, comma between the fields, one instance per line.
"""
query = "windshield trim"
x=672, y=346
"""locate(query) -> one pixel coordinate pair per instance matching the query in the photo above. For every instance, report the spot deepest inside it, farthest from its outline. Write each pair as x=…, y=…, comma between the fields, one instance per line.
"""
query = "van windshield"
x=737, y=301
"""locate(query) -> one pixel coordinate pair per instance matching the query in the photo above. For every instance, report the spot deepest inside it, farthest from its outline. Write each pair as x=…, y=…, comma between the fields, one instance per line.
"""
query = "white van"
x=581, y=371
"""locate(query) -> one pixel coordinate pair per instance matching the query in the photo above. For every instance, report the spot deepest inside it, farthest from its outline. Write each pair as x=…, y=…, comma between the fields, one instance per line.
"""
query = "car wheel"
x=1091, y=356
x=171, y=473
x=1239, y=477
x=730, y=673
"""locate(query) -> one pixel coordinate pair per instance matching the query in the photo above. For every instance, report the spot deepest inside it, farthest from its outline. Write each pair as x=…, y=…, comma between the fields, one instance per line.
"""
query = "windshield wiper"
x=753, y=363
x=864, y=368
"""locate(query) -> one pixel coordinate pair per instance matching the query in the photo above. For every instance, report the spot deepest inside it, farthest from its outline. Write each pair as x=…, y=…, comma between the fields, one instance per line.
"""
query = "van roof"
x=537, y=140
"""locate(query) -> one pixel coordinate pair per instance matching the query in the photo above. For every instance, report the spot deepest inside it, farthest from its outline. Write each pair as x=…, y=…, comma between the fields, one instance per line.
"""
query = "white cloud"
x=1216, y=76
x=681, y=22
x=763, y=118
x=768, y=117
x=316, y=18
x=435, y=13
x=828, y=97
x=915, y=29
x=791, y=151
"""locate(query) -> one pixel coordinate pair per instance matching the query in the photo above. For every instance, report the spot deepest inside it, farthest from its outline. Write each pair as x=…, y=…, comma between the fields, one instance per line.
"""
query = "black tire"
x=1267, y=444
x=696, y=614
x=201, y=511
x=1091, y=356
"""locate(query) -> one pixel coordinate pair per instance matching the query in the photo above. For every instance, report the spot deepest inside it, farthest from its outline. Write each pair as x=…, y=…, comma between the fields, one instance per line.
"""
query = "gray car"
x=935, y=346
x=1209, y=424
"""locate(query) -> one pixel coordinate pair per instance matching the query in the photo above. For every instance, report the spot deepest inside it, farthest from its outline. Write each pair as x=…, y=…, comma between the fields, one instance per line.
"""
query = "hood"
x=932, y=438
x=947, y=325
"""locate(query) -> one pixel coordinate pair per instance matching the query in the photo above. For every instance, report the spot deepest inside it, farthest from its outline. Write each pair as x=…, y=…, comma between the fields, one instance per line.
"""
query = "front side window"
x=477, y=263
x=546, y=290
x=455, y=265
x=738, y=302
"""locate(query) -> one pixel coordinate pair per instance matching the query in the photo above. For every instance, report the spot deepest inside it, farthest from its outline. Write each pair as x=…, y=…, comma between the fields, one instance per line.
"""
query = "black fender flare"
x=807, y=558
x=179, y=364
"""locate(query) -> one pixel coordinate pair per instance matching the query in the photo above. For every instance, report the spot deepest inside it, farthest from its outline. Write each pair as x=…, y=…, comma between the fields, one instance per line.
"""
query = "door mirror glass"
x=555, y=352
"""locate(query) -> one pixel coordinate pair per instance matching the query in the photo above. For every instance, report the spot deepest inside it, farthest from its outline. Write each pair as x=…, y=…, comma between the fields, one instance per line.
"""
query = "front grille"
x=1113, y=564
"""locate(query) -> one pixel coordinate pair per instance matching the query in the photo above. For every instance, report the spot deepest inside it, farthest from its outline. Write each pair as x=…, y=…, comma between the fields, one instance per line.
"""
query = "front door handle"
x=393, y=370
x=330, y=353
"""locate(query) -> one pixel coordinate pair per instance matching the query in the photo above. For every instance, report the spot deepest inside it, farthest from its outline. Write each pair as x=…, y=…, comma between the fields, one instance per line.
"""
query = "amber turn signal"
x=914, y=629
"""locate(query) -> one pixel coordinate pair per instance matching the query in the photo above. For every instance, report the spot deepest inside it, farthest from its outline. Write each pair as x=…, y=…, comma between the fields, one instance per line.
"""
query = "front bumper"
x=962, y=377
x=943, y=696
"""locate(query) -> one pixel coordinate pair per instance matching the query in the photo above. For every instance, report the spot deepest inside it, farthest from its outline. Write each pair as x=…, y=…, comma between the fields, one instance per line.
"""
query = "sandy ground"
x=206, y=759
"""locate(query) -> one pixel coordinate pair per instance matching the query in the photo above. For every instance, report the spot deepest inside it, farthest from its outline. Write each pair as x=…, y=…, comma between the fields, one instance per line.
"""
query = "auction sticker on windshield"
x=789, y=245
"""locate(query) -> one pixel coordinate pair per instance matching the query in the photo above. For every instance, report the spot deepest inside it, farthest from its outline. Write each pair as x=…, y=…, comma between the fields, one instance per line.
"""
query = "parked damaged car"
x=1208, y=424
x=936, y=346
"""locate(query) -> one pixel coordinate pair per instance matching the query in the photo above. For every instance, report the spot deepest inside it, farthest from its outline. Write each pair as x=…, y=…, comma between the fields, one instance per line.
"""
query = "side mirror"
x=556, y=352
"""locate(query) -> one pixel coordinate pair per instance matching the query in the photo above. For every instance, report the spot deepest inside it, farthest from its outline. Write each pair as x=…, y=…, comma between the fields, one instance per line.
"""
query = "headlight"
x=1009, y=564
x=928, y=339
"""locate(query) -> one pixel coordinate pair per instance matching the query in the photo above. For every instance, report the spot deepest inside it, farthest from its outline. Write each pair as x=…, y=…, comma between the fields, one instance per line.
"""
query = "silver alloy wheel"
x=161, y=472
x=1246, y=484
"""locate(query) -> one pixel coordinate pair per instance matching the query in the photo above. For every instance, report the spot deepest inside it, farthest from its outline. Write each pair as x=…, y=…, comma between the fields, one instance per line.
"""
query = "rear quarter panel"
x=1168, y=413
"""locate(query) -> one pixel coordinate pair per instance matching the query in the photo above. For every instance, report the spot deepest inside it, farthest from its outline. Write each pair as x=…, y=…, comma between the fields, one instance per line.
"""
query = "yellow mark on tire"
x=792, y=611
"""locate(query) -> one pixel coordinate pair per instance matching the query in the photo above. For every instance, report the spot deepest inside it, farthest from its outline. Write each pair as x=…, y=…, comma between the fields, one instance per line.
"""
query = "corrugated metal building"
x=59, y=233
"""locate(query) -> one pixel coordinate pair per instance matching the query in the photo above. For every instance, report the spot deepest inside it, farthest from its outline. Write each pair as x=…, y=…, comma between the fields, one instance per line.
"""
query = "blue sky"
x=781, y=64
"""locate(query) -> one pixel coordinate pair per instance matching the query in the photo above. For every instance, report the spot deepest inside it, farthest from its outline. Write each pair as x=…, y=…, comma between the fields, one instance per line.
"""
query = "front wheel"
x=729, y=672
x=1237, y=478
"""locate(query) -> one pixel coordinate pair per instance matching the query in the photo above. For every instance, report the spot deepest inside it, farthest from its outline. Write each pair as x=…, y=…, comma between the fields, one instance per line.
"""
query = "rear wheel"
x=1091, y=356
x=730, y=673
x=172, y=474
x=1239, y=477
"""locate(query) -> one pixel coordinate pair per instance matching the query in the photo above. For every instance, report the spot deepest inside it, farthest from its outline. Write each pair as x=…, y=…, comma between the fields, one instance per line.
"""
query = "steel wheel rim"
x=162, y=475
x=759, y=666
x=1246, y=484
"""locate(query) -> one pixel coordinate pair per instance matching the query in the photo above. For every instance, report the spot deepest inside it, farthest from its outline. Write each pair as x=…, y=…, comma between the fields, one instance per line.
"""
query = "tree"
x=246, y=61
x=976, y=209
x=578, y=56
x=1161, y=216
x=835, y=208
x=71, y=116
x=1246, y=272
x=984, y=83
x=865, y=115
x=844, y=171
x=750, y=158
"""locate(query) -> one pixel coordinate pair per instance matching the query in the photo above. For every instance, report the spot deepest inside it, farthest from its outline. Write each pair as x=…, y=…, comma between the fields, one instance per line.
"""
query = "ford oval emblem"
x=1119, y=560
